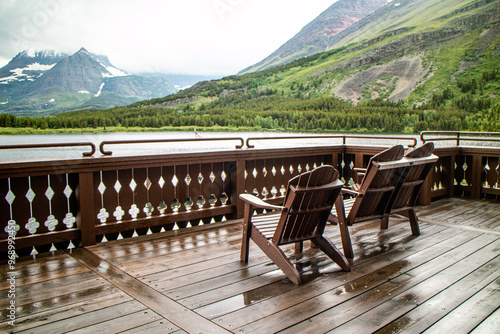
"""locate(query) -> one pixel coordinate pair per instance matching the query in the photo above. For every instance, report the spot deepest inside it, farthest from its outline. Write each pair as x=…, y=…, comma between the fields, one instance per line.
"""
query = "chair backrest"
x=379, y=182
x=308, y=202
x=421, y=161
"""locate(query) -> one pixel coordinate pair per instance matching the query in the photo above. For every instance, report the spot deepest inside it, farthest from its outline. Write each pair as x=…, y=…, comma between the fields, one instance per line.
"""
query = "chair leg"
x=245, y=238
x=245, y=244
x=279, y=258
x=346, y=239
x=384, y=223
x=344, y=232
x=299, y=247
x=415, y=229
x=329, y=249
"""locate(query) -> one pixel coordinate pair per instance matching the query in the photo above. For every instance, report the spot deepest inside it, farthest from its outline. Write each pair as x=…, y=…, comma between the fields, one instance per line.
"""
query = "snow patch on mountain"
x=19, y=75
x=100, y=90
x=33, y=53
x=114, y=72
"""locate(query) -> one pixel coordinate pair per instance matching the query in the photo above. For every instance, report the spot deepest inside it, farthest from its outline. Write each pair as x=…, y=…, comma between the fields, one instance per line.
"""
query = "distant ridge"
x=49, y=81
x=317, y=36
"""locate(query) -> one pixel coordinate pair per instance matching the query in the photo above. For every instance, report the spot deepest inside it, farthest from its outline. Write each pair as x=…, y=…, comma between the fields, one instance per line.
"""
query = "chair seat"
x=266, y=223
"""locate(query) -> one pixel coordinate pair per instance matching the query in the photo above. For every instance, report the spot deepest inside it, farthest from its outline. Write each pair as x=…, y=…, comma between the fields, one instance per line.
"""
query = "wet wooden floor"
x=444, y=281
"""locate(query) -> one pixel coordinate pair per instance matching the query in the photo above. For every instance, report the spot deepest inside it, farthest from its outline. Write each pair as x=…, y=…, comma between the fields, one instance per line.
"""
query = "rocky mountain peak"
x=317, y=36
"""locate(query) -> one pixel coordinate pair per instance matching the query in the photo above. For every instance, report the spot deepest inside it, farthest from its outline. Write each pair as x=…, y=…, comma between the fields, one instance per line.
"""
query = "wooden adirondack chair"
x=421, y=161
x=307, y=205
x=372, y=196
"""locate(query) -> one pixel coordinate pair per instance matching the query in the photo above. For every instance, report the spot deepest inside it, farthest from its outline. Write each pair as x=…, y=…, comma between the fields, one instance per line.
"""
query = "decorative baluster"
x=264, y=191
x=69, y=220
x=464, y=168
x=32, y=224
x=175, y=203
x=497, y=169
x=223, y=197
x=274, y=191
x=486, y=168
x=162, y=206
x=12, y=226
x=51, y=221
x=148, y=208
x=134, y=210
x=213, y=199
x=200, y=202
x=119, y=213
x=103, y=214
x=188, y=203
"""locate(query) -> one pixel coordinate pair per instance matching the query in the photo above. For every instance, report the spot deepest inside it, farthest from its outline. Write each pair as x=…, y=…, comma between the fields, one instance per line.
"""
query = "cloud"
x=191, y=37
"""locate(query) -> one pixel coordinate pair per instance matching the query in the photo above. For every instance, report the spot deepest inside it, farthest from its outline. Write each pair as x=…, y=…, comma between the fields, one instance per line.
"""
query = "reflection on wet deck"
x=193, y=282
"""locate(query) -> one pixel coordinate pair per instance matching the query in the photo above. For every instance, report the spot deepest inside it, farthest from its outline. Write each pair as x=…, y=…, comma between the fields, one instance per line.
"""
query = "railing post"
x=86, y=221
x=451, y=191
x=476, y=176
x=425, y=197
x=239, y=181
x=358, y=160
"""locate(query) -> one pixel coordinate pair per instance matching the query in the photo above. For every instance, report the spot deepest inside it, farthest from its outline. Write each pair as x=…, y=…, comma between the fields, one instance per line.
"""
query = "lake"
x=160, y=148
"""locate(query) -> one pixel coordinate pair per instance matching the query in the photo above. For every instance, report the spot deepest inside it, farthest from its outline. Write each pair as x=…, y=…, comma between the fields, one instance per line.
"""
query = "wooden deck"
x=445, y=281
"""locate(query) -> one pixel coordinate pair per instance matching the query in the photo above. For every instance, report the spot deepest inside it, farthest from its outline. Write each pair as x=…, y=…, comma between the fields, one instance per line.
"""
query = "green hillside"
x=420, y=65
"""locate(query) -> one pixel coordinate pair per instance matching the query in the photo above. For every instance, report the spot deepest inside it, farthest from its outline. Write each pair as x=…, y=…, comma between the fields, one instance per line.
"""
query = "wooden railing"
x=60, y=204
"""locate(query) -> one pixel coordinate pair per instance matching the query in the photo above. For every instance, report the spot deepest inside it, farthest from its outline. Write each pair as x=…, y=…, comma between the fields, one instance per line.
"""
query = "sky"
x=198, y=37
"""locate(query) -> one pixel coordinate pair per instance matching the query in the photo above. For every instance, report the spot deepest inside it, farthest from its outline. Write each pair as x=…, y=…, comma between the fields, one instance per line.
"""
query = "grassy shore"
x=27, y=131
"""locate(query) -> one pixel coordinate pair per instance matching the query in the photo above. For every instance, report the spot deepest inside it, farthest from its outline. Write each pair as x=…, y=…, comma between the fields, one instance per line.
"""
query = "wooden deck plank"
x=304, y=293
x=312, y=267
x=42, y=315
x=362, y=293
x=141, y=264
x=427, y=313
x=489, y=325
x=143, y=247
x=164, y=306
x=472, y=312
x=47, y=290
x=119, y=324
x=192, y=281
x=84, y=320
x=329, y=275
x=156, y=327
x=419, y=293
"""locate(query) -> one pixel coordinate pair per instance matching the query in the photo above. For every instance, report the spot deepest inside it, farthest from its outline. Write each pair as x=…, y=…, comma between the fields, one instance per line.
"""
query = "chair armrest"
x=257, y=202
x=349, y=191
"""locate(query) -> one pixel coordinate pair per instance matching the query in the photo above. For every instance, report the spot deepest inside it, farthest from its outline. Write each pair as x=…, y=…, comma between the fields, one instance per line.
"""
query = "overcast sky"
x=209, y=37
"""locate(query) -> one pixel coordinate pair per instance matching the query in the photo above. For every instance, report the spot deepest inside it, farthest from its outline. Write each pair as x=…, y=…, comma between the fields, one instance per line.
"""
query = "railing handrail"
x=344, y=138
x=48, y=145
x=458, y=135
x=150, y=141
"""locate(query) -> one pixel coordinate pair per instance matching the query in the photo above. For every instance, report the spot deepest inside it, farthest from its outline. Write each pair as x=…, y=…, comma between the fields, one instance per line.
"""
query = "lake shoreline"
x=112, y=129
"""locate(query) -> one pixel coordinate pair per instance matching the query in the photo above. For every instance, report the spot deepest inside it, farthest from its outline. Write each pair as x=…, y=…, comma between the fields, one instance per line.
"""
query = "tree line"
x=275, y=111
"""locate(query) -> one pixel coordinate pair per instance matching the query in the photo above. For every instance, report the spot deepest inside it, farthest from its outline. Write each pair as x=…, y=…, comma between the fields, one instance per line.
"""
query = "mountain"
x=51, y=82
x=403, y=51
x=318, y=36
x=410, y=65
